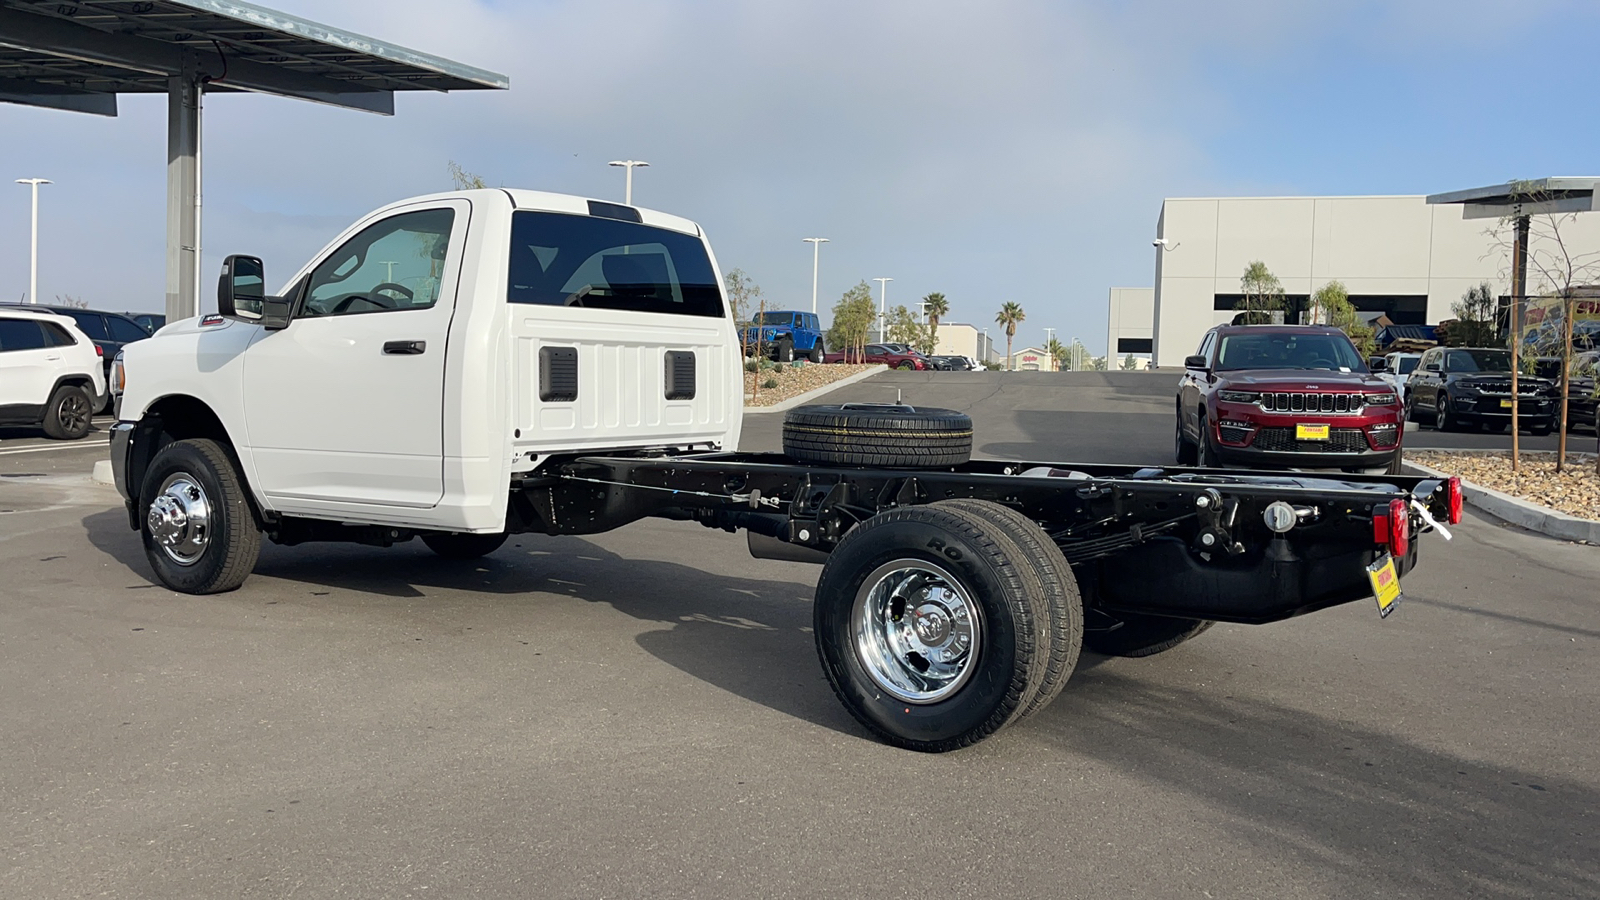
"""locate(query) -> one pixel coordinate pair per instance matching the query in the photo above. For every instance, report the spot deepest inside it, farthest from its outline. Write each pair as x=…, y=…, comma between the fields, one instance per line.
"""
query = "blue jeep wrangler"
x=784, y=335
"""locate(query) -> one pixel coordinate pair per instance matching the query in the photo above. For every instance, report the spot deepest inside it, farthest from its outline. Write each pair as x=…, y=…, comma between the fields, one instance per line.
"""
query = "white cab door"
x=345, y=405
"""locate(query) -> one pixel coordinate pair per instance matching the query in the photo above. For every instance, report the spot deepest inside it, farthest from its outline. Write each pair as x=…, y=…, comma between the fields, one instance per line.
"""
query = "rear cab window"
x=559, y=259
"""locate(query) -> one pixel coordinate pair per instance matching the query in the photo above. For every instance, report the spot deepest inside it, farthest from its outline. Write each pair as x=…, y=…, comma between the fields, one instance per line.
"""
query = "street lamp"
x=33, y=276
x=816, y=247
x=628, y=164
x=1050, y=335
x=883, y=299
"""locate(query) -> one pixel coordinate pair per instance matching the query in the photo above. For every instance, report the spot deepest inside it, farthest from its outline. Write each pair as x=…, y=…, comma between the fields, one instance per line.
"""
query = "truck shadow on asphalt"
x=1384, y=815
x=748, y=636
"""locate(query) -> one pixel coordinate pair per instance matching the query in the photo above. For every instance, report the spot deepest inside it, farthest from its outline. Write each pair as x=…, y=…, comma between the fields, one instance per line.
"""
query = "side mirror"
x=1377, y=364
x=242, y=294
x=1432, y=367
x=1194, y=362
x=241, y=288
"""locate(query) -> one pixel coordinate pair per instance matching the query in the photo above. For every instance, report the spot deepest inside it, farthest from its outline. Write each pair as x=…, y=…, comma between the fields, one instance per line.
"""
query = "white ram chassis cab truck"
x=461, y=367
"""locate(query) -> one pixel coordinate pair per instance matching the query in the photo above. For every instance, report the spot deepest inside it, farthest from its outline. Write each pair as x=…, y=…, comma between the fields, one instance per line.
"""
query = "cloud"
x=992, y=151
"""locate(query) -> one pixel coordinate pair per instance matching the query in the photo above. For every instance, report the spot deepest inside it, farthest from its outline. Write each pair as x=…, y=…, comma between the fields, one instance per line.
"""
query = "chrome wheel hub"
x=179, y=519
x=916, y=632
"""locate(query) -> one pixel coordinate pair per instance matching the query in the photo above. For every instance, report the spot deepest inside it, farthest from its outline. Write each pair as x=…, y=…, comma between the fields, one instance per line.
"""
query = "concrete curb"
x=102, y=472
x=1531, y=516
x=808, y=396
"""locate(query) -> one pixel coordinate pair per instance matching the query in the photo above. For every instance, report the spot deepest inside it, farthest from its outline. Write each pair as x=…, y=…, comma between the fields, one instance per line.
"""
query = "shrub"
x=751, y=365
x=770, y=383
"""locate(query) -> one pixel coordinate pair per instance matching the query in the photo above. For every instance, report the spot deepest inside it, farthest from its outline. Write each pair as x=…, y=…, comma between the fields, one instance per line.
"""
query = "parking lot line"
x=98, y=445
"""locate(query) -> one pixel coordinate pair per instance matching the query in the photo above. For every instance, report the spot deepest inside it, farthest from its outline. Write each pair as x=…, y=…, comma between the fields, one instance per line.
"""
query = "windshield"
x=1407, y=364
x=772, y=319
x=1477, y=361
x=1280, y=350
x=585, y=261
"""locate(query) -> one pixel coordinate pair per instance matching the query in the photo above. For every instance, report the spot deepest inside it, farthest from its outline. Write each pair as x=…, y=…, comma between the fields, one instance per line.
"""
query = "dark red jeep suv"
x=1301, y=396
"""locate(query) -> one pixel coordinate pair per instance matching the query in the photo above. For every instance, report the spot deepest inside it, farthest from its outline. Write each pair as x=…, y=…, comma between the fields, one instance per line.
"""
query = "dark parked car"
x=150, y=322
x=1455, y=387
x=1581, y=399
x=881, y=353
x=952, y=363
x=1268, y=396
x=109, y=330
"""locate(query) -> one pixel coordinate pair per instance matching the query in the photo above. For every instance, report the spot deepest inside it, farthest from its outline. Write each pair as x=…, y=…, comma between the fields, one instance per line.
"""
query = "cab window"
x=395, y=264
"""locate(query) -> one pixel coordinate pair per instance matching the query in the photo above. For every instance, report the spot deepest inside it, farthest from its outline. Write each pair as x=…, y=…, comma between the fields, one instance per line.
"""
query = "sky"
x=991, y=151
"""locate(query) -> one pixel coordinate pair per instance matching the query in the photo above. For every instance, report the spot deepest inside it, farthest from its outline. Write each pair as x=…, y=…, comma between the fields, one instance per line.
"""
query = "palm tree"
x=1057, y=351
x=1010, y=316
x=936, y=307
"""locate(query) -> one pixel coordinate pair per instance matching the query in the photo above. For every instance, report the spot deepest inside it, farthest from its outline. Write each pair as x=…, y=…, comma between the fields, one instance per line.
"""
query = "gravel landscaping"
x=1575, y=491
x=794, y=380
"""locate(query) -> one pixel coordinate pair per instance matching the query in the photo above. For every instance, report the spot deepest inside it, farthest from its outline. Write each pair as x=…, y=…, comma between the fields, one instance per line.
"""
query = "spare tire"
x=877, y=434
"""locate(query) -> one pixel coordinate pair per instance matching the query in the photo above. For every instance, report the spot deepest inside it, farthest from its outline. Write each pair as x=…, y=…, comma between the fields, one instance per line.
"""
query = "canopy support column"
x=183, y=192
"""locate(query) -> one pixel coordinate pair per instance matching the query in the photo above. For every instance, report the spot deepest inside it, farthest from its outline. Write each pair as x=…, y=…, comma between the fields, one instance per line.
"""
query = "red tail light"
x=1392, y=527
x=1399, y=528
x=1453, y=494
x=99, y=350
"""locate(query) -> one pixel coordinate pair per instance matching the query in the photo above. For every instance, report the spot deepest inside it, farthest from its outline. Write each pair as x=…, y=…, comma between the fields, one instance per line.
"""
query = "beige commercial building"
x=1130, y=322
x=1396, y=255
x=961, y=339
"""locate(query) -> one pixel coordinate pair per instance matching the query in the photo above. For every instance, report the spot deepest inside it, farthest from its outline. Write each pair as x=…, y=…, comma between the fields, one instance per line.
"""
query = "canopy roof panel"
x=78, y=55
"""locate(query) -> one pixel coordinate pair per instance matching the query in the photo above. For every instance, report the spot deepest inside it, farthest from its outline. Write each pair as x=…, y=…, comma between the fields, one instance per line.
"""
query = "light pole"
x=1050, y=335
x=627, y=197
x=816, y=247
x=883, y=301
x=33, y=272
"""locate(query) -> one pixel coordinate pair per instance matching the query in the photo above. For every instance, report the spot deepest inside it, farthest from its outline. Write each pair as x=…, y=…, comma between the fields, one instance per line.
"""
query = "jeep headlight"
x=1382, y=399
x=1238, y=396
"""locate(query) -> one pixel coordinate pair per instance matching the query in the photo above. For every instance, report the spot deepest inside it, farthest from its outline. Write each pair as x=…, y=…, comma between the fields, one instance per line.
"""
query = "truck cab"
x=436, y=349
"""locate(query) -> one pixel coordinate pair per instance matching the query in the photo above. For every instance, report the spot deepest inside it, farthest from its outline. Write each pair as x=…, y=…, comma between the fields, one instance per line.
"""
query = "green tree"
x=935, y=307
x=743, y=294
x=1009, y=317
x=464, y=180
x=853, y=318
x=1058, y=354
x=903, y=328
x=1262, y=294
x=1474, y=324
x=1332, y=301
x=1128, y=363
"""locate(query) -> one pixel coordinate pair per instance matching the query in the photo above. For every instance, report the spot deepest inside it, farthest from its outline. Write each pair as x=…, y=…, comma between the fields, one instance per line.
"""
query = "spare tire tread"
x=894, y=436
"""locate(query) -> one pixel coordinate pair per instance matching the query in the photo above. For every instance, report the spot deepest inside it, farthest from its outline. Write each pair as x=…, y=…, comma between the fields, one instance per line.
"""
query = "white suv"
x=51, y=375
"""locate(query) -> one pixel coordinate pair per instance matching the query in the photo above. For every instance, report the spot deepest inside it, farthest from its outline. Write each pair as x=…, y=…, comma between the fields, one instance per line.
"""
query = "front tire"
x=68, y=414
x=199, y=532
x=1204, y=456
x=1444, y=418
x=817, y=351
x=463, y=546
x=1183, y=448
x=926, y=626
x=785, y=351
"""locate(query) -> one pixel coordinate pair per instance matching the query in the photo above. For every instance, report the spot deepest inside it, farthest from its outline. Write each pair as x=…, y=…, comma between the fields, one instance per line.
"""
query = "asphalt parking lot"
x=641, y=713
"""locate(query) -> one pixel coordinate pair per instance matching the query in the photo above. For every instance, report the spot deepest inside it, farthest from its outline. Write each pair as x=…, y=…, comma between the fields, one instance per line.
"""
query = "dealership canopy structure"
x=80, y=55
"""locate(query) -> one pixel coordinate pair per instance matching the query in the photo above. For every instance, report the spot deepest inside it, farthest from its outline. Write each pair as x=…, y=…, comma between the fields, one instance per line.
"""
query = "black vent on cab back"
x=680, y=375
x=558, y=374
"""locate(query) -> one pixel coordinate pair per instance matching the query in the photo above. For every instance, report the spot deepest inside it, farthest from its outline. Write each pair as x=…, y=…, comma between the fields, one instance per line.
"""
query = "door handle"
x=405, y=348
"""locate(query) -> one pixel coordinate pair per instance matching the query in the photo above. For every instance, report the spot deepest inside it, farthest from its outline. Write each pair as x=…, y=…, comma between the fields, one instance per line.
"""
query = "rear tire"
x=200, y=534
x=888, y=435
x=1141, y=635
x=67, y=416
x=926, y=625
x=1061, y=636
x=462, y=545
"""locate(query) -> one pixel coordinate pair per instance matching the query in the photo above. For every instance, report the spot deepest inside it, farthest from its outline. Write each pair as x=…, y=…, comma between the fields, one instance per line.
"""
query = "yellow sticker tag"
x=1385, y=585
x=1505, y=404
x=1311, y=432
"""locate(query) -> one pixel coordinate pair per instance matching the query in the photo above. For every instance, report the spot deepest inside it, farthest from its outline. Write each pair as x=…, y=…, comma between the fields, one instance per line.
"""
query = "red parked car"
x=880, y=353
x=1270, y=396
